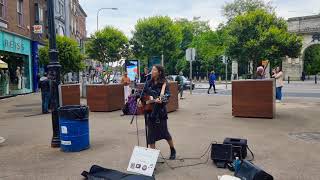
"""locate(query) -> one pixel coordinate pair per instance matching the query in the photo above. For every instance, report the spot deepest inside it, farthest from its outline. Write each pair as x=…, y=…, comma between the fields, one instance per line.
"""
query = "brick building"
x=78, y=23
x=15, y=47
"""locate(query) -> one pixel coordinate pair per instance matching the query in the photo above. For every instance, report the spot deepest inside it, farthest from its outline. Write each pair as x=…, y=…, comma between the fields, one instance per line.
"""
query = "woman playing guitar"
x=157, y=91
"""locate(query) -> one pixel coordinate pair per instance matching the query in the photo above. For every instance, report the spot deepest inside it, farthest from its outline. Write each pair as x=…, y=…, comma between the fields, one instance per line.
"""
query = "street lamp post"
x=53, y=75
x=99, y=12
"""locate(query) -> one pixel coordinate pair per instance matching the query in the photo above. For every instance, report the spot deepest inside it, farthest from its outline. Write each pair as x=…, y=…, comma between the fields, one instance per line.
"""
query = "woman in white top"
x=278, y=75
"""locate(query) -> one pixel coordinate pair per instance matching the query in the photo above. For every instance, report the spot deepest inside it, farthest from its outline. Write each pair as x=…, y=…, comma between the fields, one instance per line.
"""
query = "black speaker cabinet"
x=221, y=154
x=239, y=147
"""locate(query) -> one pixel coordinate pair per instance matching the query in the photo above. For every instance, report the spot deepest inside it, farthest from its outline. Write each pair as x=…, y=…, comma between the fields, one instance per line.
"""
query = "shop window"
x=38, y=14
x=15, y=79
x=20, y=12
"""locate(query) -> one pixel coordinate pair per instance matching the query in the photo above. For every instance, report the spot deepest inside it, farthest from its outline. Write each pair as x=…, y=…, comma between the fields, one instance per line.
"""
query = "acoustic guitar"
x=148, y=102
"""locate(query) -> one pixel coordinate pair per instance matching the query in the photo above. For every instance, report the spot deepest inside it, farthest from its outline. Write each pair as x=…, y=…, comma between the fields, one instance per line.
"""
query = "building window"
x=20, y=12
x=38, y=14
x=2, y=8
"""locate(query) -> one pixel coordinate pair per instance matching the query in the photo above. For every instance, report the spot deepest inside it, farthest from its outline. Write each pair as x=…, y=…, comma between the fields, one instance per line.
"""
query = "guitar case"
x=99, y=173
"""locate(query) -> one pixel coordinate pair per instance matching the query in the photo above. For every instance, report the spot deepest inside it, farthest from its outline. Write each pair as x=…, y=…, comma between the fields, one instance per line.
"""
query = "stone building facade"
x=309, y=28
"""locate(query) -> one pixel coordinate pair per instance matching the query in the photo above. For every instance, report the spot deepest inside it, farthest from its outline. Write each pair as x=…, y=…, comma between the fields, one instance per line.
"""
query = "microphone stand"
x=145, y=114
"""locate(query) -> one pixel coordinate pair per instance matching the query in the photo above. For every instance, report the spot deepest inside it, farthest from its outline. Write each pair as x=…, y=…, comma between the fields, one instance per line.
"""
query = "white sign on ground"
x=143, y=160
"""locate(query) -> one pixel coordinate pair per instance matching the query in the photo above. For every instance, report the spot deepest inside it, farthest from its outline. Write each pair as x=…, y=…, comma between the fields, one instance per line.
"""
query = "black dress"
x=157, y=119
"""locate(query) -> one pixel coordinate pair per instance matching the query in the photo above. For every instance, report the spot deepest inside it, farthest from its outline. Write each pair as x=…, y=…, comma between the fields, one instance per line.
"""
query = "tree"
x=239, y=7
x=189, y=29
x=155, y=36
x=108, y=45
x=312, y=60
x=69, y=55
x=259, y=35
x=210, y=46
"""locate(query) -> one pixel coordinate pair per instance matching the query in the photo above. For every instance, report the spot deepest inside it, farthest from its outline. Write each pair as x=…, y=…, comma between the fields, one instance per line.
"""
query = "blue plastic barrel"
x=74, y=128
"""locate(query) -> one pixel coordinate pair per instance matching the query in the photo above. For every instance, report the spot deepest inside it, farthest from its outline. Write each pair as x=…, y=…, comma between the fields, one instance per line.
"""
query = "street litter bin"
x=74, y=128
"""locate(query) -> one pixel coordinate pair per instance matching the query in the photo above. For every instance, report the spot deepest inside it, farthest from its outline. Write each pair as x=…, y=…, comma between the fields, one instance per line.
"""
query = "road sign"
x=224, y=60
x=191, y=54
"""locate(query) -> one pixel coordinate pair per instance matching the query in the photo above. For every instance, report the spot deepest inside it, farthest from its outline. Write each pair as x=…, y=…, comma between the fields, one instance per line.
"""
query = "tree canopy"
x=107, y=45
x=312, y=60
x=155, y=36
x=69, y=55
x=239, y=7
x=259, y=35
x=190, y=29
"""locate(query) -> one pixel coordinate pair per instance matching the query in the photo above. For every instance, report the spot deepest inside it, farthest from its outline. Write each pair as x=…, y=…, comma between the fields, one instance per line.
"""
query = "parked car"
x=186, y=82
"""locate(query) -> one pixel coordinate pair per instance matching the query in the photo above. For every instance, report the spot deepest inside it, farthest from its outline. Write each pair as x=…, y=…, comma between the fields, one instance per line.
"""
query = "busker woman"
x=157, y=118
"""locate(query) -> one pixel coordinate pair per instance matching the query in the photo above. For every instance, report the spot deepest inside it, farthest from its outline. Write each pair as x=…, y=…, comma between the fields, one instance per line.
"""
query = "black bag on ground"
x=249, y=171
x=100, y=173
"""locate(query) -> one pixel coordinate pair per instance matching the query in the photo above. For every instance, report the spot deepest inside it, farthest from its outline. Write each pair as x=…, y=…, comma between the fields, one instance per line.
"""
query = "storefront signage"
x=15, y=44
x=37, y=29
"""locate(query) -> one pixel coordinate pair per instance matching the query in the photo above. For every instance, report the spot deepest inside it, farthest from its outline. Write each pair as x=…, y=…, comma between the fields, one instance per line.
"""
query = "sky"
x=129, y=11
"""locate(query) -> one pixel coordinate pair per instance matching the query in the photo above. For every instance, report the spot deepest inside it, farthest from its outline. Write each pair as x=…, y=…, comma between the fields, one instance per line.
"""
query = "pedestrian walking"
x=179, y=79
x=212, y=82
x=278, y=75
x=45, y=93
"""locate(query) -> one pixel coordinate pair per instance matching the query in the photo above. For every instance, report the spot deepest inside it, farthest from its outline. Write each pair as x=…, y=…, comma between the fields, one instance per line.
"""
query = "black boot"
x=172, y=154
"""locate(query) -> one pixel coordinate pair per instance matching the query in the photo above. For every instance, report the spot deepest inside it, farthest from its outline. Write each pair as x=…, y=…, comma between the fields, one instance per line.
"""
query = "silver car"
x=186, y=82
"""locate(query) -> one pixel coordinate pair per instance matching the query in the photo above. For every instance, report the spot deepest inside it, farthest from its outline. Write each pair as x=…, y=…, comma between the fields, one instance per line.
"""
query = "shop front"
x=16, y=68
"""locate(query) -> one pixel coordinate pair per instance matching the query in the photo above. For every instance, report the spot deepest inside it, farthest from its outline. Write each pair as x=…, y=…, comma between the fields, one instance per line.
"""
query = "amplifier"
x=239, y=148
x=221, y=154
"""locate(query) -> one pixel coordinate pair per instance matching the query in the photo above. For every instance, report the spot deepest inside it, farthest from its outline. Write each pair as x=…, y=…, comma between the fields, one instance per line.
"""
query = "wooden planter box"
x=253, y=98
x=173, y=103
x=70, y=94
x=105, y=98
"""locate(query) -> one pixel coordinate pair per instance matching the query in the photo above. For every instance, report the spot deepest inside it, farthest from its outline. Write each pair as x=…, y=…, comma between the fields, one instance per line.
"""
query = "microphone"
x=148, y=74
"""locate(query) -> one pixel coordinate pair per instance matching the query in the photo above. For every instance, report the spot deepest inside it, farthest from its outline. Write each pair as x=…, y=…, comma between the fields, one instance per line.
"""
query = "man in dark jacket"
x=212, y=79
x=44, y=85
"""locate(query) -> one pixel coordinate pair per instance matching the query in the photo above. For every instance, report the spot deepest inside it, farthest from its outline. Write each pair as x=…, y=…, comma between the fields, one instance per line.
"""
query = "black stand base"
x=55, y=142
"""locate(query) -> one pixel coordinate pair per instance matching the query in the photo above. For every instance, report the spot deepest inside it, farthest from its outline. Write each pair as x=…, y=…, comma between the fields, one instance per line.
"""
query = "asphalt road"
x=295, y=89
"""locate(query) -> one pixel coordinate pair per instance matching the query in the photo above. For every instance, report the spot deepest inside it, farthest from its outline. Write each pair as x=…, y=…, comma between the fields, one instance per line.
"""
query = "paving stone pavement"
x=201, y=119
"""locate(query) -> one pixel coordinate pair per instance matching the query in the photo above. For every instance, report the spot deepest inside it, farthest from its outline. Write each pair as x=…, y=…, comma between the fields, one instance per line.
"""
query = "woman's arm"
x=277, y=75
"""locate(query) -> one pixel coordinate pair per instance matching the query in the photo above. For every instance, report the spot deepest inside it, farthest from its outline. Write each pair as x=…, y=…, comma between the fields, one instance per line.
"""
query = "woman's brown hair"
x=162, y=77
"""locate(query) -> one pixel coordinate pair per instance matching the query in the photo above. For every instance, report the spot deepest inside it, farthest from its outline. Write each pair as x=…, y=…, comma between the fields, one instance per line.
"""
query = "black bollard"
x=288, y=79
x=315, y=79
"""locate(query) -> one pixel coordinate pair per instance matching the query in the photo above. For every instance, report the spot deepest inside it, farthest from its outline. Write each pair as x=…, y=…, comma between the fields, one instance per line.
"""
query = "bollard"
x=288, y=79
x=315, y=79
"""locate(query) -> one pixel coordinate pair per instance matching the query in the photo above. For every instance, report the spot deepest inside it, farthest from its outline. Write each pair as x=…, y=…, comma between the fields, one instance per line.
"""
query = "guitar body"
x=148, y=107
x=148, y=102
